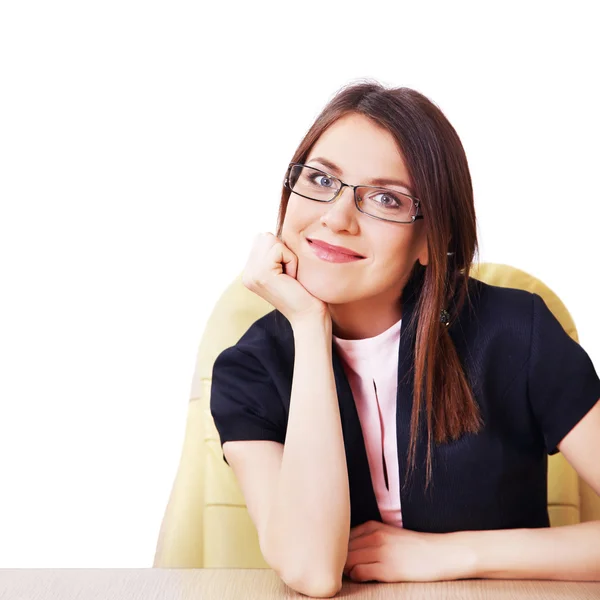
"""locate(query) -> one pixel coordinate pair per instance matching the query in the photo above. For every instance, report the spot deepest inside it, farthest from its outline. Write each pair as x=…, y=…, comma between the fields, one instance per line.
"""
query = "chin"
x=327, y=290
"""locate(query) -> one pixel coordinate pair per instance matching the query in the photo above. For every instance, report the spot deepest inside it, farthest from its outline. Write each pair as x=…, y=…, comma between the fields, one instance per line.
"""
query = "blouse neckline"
x=366, y=348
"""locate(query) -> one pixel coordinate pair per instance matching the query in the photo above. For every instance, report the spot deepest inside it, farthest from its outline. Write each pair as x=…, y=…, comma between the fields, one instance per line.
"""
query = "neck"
x=371, y=316
x=365, y=318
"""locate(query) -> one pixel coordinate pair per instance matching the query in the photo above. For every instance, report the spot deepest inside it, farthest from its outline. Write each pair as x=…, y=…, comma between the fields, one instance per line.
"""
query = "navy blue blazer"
x=532, y=382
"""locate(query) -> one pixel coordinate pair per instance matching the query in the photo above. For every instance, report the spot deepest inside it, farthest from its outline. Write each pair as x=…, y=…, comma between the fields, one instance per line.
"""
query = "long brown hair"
x=437, y=164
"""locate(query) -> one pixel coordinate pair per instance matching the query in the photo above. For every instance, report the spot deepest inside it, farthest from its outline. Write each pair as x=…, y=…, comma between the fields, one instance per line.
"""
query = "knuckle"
x=272, y=251
x=254, y=279
x=249, y=279
x=260, y=239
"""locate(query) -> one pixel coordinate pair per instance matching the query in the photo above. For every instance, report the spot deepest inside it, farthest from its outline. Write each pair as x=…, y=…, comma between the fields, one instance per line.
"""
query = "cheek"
x=299, y=216
x=392, y=257
x=392, y=248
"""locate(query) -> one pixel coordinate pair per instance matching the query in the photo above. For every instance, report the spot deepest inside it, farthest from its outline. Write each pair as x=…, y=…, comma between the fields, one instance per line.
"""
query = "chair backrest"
x=206, y=523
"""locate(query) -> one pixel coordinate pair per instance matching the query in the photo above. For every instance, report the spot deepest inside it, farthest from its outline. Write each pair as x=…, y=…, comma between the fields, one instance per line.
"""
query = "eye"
x=387, y=199
x=322, y=180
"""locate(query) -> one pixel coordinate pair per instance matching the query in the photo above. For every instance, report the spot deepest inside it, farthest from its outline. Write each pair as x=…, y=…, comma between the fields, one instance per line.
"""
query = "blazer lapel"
x=362, y=496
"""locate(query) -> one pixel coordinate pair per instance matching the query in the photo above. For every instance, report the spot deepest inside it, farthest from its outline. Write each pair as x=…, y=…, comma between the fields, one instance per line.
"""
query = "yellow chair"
x=206, y=523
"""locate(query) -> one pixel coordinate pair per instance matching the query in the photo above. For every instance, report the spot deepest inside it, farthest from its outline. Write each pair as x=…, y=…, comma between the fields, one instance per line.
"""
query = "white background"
x=142, y=147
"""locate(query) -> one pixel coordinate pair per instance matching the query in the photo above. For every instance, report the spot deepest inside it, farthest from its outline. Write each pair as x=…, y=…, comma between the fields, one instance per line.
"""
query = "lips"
x=334, y=249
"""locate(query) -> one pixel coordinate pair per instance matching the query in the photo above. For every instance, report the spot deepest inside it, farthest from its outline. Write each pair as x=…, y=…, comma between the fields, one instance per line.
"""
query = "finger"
x=365, y=529
x=367, y=572
x=283, y=259
x=357, y=557
x=368, y=540
x=290, y=262
x=264, y=240
x=261, y=245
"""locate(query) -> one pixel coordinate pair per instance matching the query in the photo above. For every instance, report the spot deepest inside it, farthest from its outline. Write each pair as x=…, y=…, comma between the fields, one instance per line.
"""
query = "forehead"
x=361, y=148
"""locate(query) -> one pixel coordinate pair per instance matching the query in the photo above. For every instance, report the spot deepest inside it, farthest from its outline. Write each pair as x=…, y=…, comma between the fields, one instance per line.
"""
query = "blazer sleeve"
x=244, y=401
x=562, y=383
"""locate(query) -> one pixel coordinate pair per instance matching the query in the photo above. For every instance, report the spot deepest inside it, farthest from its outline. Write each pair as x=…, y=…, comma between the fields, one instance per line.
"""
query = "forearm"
x=309, y=520
x=563, y=553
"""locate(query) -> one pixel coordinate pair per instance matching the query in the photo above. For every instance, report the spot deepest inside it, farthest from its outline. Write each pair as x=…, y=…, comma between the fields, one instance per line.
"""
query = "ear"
x=423, y=251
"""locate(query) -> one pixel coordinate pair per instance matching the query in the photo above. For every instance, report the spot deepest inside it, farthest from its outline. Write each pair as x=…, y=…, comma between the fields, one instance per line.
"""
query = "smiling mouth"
x=331, y=256
x=333, y=250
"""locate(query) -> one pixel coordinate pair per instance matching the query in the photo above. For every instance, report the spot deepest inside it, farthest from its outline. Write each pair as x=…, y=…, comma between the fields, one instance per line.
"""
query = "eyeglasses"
x=377, y=202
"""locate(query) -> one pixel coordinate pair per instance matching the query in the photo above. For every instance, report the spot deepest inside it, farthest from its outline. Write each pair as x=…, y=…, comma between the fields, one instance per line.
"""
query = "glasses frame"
x=416, y=202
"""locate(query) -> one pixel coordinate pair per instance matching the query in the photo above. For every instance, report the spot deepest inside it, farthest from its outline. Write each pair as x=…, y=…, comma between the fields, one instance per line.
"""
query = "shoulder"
x=494, y=328
x=271, y=335
x=492, y=312
x=493, y=303
x=270, y=329
x=266, y=346
x=248, y=381
x=525, y=313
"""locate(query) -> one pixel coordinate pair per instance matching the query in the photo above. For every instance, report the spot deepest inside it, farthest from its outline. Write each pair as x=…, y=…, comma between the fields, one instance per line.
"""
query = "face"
x=362, y=150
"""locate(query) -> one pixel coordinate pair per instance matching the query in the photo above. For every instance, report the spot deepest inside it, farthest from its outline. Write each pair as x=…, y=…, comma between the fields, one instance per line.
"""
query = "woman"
x=417, y=405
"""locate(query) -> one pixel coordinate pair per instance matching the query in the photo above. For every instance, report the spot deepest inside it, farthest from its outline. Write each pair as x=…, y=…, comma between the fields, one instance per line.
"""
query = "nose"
x=341, y=213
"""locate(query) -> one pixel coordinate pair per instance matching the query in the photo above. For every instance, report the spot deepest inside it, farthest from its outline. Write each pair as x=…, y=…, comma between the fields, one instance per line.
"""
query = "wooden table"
x=259, y=584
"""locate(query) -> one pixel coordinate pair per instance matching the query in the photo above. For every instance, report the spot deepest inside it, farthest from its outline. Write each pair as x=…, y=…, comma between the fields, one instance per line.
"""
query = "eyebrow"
x=376, y=181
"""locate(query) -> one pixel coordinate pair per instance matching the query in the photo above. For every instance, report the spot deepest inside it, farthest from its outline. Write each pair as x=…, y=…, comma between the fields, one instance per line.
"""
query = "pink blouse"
x=371, y=365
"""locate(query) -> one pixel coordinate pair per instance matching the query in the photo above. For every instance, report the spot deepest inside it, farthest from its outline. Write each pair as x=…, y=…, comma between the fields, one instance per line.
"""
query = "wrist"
x=462, y=553
x=312, y=323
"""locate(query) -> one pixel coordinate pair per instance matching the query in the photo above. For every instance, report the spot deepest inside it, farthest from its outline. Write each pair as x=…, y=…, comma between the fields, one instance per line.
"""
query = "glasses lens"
x=386, y=204
x=313, y=183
